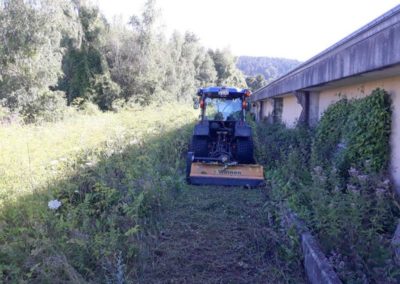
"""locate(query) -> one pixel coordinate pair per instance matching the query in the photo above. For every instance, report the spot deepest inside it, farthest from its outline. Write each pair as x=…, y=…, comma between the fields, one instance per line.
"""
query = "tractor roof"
x=223, y=92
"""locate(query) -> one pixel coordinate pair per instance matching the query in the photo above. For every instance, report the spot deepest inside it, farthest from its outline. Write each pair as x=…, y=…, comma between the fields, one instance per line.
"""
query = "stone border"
x=317, y=267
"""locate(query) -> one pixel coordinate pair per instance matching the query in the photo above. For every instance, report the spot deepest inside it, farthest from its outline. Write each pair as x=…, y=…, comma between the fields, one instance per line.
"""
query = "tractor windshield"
x=223, y=109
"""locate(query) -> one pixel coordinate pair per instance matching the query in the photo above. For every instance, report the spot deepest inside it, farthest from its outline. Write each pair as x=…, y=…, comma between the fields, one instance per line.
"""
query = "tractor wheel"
x=244, y=150
x=189, y=160
x=199, y=146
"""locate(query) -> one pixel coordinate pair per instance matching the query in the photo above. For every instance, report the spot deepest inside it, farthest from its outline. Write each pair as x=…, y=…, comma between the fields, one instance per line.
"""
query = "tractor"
x=221, y=150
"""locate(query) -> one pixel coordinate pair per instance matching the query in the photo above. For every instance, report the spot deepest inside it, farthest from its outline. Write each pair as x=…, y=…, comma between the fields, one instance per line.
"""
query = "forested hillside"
x=56, y=53
x=268, y=67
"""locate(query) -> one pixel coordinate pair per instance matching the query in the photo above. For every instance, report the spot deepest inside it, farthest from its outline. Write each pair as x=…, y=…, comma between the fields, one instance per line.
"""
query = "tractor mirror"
x=196, y=104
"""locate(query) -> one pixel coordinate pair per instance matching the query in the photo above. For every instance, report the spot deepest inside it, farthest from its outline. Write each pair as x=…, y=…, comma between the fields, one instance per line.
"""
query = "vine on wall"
x=335, y=176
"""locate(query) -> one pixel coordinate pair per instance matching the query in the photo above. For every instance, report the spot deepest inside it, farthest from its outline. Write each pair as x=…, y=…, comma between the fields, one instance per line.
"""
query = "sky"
x=276, y=28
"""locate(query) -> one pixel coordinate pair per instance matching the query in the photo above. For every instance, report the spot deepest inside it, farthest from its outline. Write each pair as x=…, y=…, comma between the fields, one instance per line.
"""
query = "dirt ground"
x=220, y=235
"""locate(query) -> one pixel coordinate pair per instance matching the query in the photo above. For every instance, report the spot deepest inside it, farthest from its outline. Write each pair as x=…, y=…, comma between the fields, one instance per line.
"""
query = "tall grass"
x=111, y=173
x=31, y=156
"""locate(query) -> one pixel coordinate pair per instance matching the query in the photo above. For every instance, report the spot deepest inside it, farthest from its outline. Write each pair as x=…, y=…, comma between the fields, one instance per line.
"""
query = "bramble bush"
x=335, y=177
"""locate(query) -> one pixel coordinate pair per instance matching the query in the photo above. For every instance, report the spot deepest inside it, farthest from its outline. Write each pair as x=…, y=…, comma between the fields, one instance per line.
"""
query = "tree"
x=190, y=67
x=56, y=48
x=227, y=73
x=31, y=51
x=271, y=68
x=255, y=83
x=86, y=72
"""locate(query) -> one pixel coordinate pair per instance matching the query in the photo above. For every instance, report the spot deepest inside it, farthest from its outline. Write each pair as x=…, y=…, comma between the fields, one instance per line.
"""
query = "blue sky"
x=278, y=28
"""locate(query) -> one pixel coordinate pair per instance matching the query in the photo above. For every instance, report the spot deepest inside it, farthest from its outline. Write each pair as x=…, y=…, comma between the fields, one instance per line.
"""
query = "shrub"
x=274, y=143
x=49, y=106
x=368, y=131
x=8, y=117
x=336, y=178
x=351, y=133
x=85, y=107
x=106, y=91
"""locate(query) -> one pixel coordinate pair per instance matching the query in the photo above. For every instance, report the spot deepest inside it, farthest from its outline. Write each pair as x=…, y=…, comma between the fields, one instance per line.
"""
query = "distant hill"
x=271, y=68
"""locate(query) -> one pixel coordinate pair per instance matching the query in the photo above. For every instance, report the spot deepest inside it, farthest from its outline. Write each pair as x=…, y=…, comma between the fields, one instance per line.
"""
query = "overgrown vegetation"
x=59, y=52
x=336, y=178
x=112, y=174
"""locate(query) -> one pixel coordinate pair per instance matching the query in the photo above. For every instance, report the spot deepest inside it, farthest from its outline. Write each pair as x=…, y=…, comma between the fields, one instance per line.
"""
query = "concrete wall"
x=392, y=86
x=291, y=111
x=268, y=108
x=357, y=91
x=314, y=108
x=320, y=101
x=255, y=110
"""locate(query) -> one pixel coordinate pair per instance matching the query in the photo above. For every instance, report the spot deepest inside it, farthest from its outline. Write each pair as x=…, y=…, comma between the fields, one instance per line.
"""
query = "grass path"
x=218, y=235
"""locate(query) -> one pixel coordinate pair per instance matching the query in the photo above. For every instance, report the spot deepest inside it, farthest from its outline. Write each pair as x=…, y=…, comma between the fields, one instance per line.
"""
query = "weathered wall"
x=268, y=107
x=314, y=108
x=255, y=110
x=291, y=111
x=320, y=101
x=392, y=86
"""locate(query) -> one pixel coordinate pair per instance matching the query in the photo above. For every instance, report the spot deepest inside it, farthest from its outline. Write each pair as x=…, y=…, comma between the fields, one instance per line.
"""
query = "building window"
x=278, y=109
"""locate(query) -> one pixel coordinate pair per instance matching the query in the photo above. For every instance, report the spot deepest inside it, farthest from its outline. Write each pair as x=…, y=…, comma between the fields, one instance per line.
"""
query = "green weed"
x=112, y=173
x=335, y=177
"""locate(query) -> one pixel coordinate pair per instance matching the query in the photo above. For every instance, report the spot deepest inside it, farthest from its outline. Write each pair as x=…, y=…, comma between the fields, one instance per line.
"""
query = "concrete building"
x=365, y=60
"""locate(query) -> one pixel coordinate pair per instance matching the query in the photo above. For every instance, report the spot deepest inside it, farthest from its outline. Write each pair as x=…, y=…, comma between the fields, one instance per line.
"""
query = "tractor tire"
x=189, y=160
x=245, y=151
x=199, y=146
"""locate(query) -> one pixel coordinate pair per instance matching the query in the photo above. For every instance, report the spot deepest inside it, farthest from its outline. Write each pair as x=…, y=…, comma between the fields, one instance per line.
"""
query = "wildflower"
x=386, y=183
x=351, y=187
x=362, y=178
x=54, y=163
x=353, y=172
x=318, y=170
x=341, y=265
x=368, y=163
x=133, y=142
x=380, y=192
x=89, y=164
x=54, y=204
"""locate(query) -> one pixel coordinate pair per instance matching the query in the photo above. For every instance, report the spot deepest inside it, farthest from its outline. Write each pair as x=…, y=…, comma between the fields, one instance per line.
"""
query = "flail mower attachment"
x=214, y=173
